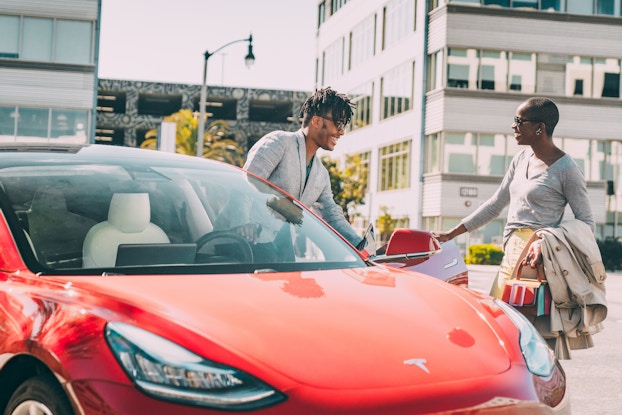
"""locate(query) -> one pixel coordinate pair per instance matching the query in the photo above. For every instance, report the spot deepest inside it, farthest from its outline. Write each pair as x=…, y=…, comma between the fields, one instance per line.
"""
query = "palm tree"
x=218, y=143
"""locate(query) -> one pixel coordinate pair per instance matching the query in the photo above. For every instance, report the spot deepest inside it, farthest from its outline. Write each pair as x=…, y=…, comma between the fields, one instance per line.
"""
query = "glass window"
x=522, y=72
x=432, y=154
x=113, y=136
x=435, y=71
x=363, y=158
x=491, y=155
x=525, y=3
x=73, y=41
x=550, y=5
x=493, y=71
x=551, y=74
x=111, y=101
x=33, y=122
x=68, y=124
x=7, y=123
x=502, y=3
x=394, y=166
x=599, y=152
x=605, y=7
x=37, y=39
x=461, y=68
x=487, y=77
x=589, y=155
x=579, y=150
x=321, y=13
x=362, y=97
x=158, y=104
x=399, y=21
x=397, y=90
x=337, y=4
x=512, y=149
x=606, y=78
x=268, y=111
x=363, y=41
x=460, y=150
x=579, y=76
x=333, y=62
x=9, y=37
x=580, y=6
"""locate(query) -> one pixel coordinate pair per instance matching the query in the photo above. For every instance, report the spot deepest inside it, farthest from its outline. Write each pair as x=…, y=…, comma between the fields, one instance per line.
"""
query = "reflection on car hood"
x=353, y=328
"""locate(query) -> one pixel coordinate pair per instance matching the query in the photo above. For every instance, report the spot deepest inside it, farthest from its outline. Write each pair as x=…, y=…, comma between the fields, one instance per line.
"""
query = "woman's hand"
x=442, y=236
x=534, y=254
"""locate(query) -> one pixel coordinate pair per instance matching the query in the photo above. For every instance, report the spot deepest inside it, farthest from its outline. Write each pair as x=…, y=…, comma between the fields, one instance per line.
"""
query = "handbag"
x=530, y=296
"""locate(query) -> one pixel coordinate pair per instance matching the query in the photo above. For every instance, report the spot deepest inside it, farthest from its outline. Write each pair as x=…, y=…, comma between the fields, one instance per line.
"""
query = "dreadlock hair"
x=543, y=109
x=327, y=101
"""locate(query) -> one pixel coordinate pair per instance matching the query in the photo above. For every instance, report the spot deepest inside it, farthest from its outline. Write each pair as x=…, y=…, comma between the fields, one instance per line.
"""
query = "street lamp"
x=249, y=60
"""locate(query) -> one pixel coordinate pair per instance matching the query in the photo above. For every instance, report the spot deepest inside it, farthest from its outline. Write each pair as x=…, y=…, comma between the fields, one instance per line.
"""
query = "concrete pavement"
x=594, y=375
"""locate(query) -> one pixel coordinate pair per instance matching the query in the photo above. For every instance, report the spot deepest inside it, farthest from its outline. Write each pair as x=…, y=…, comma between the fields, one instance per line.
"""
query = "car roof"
x=25, y=154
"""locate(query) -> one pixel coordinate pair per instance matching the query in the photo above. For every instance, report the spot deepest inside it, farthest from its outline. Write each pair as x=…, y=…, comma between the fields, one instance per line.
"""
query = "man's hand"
x=249, y=231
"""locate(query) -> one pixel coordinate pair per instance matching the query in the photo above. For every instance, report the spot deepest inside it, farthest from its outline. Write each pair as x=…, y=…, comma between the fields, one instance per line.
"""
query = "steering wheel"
x=226, y=244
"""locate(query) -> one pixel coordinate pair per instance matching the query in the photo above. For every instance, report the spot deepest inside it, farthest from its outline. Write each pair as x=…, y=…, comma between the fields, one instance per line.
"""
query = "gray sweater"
x=280, y=157
x=536, y=202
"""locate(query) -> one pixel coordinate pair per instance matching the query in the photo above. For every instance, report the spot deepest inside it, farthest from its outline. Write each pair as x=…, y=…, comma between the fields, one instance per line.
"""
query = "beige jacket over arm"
x=576, y=274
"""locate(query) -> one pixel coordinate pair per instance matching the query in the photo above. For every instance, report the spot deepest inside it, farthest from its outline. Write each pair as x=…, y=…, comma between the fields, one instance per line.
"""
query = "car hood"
x=351, y=328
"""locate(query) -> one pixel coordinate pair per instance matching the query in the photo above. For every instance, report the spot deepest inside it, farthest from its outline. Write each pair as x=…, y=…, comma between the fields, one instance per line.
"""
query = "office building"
x=48, y=70
x=438, y=82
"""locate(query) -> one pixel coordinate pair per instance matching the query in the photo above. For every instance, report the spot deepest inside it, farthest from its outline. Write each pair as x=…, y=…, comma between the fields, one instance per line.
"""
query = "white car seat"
x=128, y=222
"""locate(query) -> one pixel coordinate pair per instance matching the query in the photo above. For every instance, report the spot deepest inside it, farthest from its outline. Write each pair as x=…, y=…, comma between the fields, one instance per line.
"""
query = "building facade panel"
x=46, y=88
x=77, y=9
x=524, y=31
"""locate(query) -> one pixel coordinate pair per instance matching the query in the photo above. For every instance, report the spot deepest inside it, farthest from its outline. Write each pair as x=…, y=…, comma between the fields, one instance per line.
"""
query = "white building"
x=48, y=69
x=438, y=82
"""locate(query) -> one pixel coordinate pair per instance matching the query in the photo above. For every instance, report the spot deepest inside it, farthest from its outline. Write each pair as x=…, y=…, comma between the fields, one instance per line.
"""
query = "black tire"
x=39, y=395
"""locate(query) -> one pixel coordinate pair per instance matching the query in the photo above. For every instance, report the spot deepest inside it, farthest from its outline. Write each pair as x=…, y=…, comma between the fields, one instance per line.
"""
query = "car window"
x=137, y=218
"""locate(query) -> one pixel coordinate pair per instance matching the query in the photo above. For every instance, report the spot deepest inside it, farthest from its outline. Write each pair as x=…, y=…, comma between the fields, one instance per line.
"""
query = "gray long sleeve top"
x=280, y=157
x=536, y=202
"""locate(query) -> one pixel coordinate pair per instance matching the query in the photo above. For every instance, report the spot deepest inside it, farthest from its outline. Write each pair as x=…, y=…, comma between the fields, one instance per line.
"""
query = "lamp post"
x=249, y=60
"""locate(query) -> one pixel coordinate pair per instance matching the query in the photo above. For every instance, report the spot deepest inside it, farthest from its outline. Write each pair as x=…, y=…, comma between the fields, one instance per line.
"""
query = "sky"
x=164, y=41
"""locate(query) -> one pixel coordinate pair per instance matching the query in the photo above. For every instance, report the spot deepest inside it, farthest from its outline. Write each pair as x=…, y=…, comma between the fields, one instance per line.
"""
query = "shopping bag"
x=528, y=295
x=544, y=300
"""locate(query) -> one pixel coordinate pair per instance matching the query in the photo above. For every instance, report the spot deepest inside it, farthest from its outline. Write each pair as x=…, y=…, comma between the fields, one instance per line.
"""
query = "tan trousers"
x=511, y=252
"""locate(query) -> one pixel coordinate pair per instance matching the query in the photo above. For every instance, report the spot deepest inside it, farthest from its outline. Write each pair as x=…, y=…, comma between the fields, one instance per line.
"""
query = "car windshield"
x=94, y=218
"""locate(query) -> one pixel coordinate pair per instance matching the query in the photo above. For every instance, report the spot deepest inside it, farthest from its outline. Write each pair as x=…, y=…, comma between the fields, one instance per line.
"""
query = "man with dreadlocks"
x=289, y=160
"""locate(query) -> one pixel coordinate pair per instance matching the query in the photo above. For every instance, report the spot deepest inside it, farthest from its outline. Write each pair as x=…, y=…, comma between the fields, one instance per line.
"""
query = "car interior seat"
x=55, y=233
x=129, y=222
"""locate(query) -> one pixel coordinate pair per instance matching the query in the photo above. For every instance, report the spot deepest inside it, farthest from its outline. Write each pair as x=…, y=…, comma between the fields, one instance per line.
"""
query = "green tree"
x=385, y=224
x=349, y=185
x=218, y=143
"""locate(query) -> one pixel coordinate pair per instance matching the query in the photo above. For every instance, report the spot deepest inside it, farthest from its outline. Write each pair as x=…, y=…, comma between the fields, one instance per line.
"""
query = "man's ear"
x=316, y=121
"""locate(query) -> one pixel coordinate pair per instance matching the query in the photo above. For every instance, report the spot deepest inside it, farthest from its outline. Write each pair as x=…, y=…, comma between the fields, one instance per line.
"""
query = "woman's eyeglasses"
x=519, y=120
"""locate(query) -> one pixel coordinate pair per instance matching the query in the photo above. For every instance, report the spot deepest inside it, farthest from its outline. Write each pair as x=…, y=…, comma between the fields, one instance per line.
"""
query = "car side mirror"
x=408, y=247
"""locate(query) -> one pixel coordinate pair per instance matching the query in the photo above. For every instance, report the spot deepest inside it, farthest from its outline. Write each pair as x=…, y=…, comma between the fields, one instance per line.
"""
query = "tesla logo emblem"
x=420, y=363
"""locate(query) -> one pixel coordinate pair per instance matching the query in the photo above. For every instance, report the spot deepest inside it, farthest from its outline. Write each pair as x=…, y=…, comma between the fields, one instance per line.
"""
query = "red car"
x=139, y=282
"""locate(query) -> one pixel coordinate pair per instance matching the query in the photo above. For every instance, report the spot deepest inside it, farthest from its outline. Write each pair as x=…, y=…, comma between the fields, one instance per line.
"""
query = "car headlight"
x=538, y=356
x=168, y=371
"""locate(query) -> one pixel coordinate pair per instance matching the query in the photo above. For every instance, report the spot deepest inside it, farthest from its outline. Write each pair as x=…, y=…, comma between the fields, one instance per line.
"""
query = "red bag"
x=530, y=296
